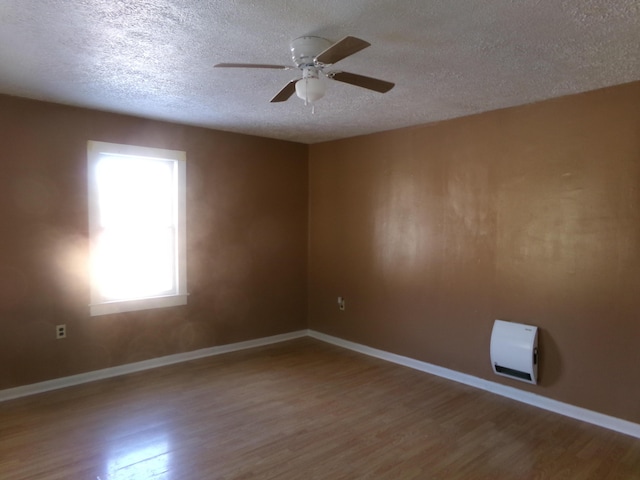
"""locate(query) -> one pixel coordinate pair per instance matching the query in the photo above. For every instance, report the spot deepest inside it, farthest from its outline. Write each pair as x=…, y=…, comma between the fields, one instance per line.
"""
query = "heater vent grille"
x=513, y=373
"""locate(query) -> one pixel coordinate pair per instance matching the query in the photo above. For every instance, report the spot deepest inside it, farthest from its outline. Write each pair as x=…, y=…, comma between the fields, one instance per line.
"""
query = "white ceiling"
x=448, y=58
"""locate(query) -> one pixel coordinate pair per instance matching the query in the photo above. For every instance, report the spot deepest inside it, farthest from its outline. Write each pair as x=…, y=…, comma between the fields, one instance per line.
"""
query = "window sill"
x=138, y=304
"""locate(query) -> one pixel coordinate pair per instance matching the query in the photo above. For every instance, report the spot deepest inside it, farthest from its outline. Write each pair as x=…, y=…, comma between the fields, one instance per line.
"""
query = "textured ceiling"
x=448, y=58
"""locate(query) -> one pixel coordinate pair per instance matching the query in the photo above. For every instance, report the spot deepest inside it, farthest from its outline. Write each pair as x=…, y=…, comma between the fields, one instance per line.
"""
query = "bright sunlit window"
x=137, y=227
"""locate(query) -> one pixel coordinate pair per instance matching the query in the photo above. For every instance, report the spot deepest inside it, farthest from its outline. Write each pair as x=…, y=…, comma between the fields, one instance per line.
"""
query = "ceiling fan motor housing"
x=304, y=50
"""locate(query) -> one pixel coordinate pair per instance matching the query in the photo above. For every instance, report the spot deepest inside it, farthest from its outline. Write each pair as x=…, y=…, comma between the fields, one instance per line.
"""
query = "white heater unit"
x=514, y=350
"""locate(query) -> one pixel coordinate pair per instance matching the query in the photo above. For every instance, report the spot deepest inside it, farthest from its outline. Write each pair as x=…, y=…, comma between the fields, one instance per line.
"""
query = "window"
x=136, y=227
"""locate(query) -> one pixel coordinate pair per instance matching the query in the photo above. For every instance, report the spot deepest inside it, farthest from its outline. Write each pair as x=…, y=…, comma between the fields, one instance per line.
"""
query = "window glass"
x=136, y=216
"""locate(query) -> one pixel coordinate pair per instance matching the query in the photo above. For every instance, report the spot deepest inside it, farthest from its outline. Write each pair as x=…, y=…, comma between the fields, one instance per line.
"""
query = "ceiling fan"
x=311, y=55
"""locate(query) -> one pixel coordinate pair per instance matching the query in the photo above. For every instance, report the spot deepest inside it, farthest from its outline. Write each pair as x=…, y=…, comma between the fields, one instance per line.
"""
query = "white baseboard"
x=578, y=413
x=57, y=383
x=589, y=416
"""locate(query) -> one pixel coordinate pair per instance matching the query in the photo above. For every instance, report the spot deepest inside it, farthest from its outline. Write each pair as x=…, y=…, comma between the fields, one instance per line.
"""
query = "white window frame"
x=98, y=304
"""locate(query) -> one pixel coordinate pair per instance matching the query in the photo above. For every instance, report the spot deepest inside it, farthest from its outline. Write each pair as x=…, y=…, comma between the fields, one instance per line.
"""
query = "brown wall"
x=529, y=214
x=247, y=242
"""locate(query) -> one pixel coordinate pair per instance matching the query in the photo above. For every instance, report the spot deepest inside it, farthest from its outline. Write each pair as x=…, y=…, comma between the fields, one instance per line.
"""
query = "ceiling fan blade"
x=341, y=49
x=251, y=65
x=286, y=92
x=370, y=83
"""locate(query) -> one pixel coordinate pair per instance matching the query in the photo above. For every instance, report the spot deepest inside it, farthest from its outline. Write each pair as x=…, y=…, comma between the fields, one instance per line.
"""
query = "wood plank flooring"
x=297, y=410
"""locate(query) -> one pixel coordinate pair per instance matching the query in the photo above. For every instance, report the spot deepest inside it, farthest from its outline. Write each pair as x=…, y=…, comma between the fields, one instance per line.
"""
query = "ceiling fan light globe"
x=310, y=89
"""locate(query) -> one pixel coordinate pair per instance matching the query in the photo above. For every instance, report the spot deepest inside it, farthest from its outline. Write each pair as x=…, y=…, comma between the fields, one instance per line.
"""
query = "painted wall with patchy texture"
x=529, y=214
x=247, y=241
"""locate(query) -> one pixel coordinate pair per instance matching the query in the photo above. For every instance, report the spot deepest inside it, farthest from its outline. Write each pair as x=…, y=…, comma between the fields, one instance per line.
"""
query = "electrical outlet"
x=341, y=304
x=61, y=331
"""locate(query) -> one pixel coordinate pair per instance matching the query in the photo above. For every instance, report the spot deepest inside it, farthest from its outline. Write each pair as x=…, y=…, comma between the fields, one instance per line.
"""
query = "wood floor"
x=297, y=410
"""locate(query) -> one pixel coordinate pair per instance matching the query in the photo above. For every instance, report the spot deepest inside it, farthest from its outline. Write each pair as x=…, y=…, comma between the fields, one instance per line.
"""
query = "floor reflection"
x=140, y=462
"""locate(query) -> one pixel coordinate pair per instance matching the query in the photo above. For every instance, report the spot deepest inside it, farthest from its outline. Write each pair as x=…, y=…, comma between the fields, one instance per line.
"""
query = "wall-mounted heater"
x=514, y=350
